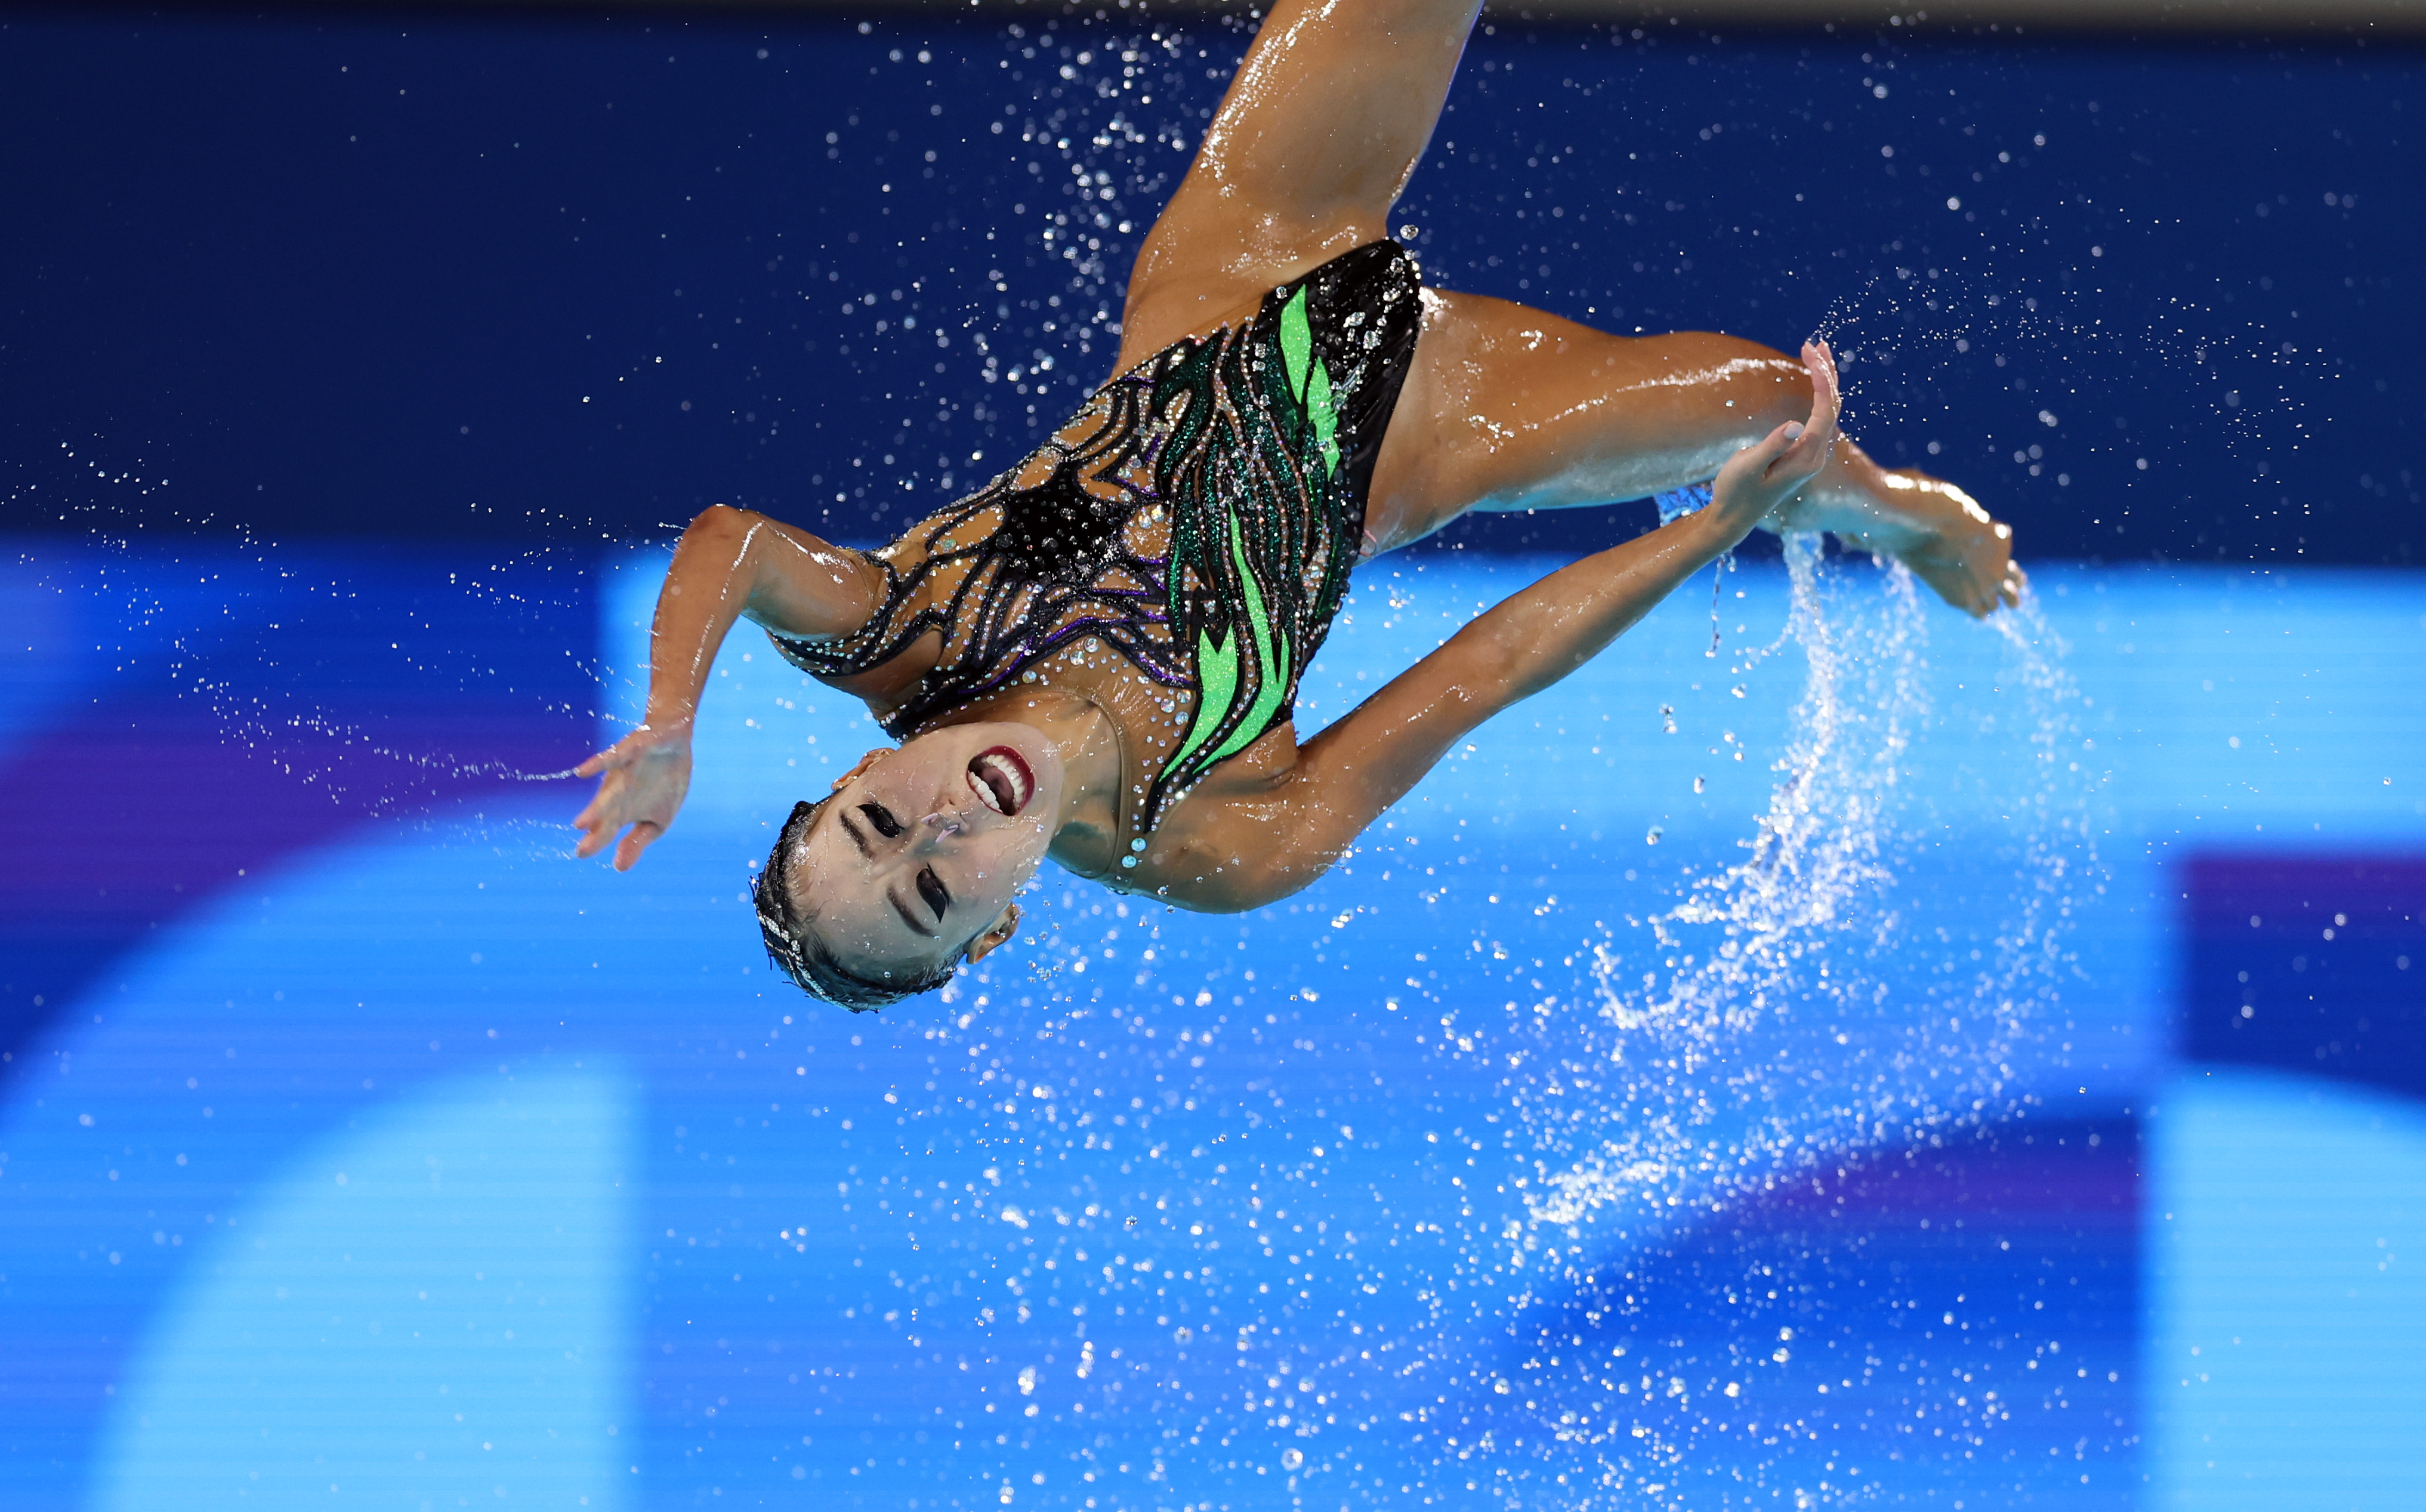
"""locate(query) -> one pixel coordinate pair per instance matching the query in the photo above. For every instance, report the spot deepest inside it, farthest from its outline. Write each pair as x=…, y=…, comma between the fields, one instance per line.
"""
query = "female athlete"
x=1094, y=657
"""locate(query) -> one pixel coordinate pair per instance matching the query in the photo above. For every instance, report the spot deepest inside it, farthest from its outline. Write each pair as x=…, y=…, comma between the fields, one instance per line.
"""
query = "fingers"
x=1825, y=398
x=596, y=837
x=1818, y=435
x=650, y=779
x=599, y=819
x=1759, y=460
x=628, y=854
x=1774, y=448
x=592, y=815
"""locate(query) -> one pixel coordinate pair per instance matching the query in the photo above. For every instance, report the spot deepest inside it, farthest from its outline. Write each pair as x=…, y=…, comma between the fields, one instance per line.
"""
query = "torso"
x=1173, y=555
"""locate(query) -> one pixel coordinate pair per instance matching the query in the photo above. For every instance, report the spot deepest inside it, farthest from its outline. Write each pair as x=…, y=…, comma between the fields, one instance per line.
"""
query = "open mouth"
x=1001, y=780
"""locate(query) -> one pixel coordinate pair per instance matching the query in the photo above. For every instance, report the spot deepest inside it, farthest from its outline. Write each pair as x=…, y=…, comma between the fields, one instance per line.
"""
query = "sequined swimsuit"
x=1199, y=516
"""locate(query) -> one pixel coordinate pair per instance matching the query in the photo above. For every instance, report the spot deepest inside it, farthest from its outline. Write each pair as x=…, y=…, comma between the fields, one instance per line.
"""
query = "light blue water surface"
x=1163, y=1211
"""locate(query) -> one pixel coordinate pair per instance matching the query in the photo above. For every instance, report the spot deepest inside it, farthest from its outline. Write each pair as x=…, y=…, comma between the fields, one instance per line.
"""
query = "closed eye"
x=932, y=891
x=883, y=819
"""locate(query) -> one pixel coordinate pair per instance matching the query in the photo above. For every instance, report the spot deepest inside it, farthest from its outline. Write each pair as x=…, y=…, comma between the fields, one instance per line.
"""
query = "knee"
x=1766, y=383
x=718, y=523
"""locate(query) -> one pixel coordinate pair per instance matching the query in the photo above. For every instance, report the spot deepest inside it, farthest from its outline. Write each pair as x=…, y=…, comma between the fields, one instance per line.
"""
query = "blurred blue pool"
x=359, y=1147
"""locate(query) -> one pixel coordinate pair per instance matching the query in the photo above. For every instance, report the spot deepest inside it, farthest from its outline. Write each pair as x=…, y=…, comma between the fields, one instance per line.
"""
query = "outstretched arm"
x=1347, y=775
x=729, y=565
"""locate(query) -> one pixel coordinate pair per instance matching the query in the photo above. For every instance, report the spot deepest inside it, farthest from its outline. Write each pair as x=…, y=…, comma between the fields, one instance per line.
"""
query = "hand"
x=1761, y=477
x=643, y=778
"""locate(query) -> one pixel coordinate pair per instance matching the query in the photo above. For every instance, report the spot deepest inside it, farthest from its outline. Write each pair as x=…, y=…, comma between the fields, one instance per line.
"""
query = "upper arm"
x=793, y=582
x=1248, y=851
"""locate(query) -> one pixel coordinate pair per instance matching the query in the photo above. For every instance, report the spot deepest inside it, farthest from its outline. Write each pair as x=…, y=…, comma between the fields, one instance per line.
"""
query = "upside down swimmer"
x=1096, y=656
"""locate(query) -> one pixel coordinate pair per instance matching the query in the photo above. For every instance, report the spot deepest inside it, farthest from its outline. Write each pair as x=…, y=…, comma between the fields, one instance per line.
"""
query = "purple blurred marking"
x=141, y=804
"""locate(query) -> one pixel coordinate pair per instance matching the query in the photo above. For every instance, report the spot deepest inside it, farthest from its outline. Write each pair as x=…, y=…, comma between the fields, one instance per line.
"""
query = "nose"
x=942, y=824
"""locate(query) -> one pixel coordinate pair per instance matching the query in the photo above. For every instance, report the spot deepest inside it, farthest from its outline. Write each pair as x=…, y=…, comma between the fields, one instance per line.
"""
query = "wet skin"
x=934, y=865
x=1504, y=407
x=894, y=895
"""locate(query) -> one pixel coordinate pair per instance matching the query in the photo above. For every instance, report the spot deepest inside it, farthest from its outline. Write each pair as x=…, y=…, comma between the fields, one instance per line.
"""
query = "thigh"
x=1312, y=145
x=1508, y=407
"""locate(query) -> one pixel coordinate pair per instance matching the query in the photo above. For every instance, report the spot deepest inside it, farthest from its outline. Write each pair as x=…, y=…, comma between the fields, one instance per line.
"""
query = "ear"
x=1004, y=925
x=864, y=762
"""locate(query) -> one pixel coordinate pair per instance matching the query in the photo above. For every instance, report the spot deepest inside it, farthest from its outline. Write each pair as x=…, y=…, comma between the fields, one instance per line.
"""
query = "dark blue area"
x=2316, y=965
x=435, y=274
x=1926, y=1318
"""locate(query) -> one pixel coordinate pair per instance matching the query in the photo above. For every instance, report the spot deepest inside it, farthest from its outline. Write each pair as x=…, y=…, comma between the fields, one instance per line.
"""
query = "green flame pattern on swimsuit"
x=1241, y=688
x=1247, y=450
x=1309, y=381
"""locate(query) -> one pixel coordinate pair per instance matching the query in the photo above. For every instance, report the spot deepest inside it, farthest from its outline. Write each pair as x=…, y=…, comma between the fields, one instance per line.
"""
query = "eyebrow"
x=907, y=917
x=853, y=830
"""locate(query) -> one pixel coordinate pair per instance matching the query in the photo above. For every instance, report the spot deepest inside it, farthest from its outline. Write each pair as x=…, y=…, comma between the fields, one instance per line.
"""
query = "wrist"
x=1714, y=529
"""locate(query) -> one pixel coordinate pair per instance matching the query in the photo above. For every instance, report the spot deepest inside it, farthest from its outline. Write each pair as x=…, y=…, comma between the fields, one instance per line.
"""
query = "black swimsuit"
x=1199, y=517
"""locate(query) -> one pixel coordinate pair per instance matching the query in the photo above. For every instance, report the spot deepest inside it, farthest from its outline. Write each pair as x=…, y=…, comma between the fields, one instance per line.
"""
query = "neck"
x=1082, y=731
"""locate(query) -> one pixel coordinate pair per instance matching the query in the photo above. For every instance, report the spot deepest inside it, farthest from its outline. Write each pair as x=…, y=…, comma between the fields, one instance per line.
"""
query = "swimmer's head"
x=879, y=891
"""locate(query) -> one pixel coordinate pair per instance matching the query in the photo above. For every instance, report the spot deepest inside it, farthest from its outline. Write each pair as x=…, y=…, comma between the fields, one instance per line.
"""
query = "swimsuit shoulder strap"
x=1125, y=794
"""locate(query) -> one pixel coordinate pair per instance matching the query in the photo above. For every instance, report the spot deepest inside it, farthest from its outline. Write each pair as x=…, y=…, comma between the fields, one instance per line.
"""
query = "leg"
x=1318, y=134
x=1509, y=408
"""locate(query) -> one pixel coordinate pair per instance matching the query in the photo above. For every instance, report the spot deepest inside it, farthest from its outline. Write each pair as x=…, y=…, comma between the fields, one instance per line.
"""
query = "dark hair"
x=808, y=960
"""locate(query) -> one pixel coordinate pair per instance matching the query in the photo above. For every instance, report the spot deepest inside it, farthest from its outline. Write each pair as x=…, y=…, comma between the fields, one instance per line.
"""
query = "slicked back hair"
x=795, y=949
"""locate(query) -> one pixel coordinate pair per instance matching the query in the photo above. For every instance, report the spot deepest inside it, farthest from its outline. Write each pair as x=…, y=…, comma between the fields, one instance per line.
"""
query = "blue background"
x=430, y=275
x=419, y=1161
x=360, y=1148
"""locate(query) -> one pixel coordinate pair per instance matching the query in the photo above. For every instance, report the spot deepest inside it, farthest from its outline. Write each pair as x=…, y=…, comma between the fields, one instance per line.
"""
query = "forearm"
x=1367, y=761
x=1539, y=636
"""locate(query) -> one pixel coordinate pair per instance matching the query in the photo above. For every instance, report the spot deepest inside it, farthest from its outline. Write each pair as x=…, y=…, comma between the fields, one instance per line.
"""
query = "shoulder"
x=1233, y=842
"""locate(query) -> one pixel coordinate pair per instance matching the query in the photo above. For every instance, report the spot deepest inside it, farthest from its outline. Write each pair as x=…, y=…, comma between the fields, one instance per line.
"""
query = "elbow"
x=718, y=553
x=1507, y=666
x=718, y=532
x=718, y=520
x=1256, y=885
x=1279, y=877
x=726, y=536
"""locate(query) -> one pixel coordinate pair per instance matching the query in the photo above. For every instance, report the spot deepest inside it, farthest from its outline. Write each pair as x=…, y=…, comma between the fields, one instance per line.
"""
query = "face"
x=920, y=850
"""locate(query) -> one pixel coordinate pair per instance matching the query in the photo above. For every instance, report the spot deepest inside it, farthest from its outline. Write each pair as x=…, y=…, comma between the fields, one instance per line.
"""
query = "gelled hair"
x=792, y=946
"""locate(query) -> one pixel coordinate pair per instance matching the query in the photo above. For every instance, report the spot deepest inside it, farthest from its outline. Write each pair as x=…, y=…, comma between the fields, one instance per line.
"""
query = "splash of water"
x=1803, y=937
x=1784, y=1014
x=1747, y=942
x=1902, y=335
x=360, y=677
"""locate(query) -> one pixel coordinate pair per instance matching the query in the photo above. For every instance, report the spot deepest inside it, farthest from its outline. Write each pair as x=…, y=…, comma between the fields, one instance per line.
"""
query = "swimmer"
x=1094, y=657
